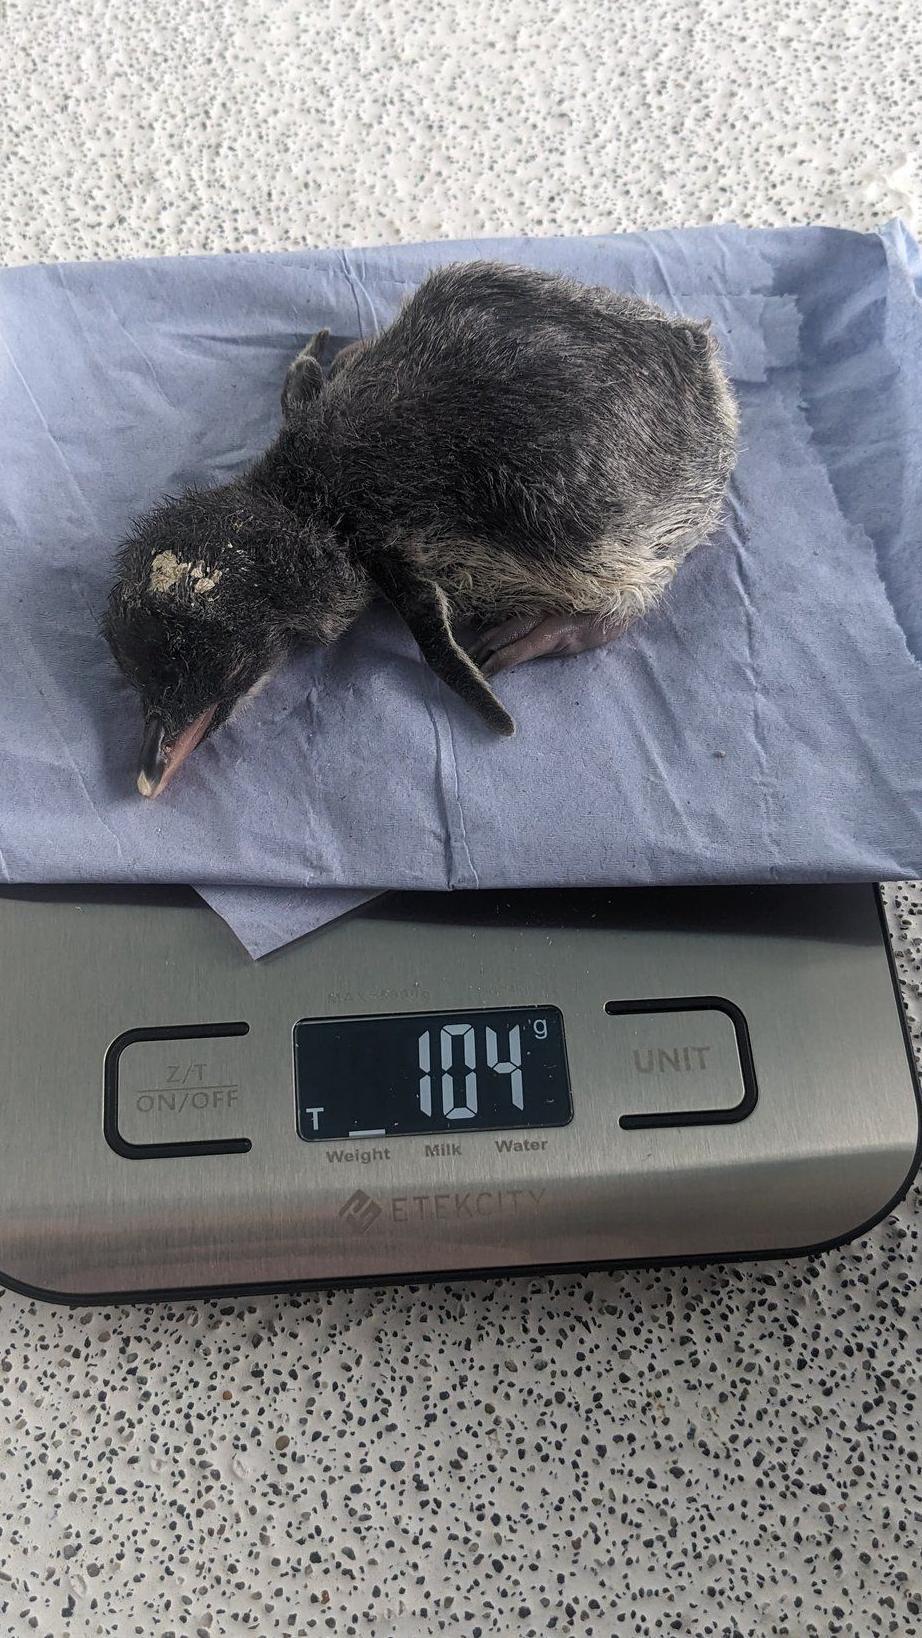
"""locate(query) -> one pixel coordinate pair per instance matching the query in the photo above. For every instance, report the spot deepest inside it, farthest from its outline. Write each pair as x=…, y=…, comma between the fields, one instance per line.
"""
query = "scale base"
x=741, y=1078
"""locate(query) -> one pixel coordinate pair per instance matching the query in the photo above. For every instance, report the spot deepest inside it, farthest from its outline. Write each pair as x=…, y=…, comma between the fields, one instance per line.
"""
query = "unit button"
x=681, y=1062
x=176, y=1091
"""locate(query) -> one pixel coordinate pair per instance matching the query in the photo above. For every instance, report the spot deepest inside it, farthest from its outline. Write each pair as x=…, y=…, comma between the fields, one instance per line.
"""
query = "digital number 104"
x=457, y=1054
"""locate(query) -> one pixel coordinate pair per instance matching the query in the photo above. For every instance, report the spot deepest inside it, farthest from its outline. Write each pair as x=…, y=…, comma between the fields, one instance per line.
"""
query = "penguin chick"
x=516, y=451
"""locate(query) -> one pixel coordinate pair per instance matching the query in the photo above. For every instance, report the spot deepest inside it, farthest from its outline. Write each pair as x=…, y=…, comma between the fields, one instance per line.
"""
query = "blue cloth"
x=764, y=724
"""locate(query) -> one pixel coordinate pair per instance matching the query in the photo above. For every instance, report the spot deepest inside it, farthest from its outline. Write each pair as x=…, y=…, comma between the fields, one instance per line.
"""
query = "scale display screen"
x=428, y=1073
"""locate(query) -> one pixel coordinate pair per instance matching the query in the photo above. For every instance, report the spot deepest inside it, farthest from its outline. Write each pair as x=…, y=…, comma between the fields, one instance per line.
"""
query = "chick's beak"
x=160, y=757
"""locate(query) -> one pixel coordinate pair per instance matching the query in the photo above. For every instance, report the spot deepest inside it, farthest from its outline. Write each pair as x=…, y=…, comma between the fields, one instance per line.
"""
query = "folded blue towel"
x=763, y=724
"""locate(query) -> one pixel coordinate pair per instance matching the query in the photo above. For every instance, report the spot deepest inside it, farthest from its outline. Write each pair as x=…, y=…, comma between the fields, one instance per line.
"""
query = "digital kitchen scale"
x=443, y=1085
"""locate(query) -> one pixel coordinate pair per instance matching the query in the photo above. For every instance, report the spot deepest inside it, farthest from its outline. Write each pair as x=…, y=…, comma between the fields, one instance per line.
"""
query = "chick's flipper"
x=424, y=606
x=304, y=377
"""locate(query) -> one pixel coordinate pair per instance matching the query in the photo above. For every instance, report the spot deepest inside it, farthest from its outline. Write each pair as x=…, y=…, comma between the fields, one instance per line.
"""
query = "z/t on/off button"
x=176, y=1091
x=681, y=1063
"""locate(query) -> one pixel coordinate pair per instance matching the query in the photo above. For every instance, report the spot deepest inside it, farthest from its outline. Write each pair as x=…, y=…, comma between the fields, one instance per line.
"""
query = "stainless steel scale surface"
x=443, y=1085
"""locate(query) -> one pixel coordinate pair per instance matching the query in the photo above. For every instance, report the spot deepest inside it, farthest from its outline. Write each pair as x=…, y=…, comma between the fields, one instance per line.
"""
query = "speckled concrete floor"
x=706, y=1452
